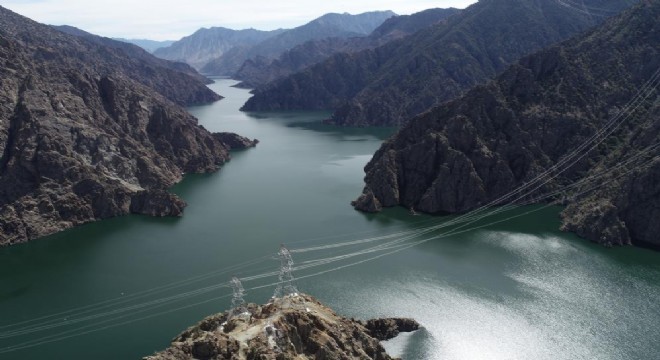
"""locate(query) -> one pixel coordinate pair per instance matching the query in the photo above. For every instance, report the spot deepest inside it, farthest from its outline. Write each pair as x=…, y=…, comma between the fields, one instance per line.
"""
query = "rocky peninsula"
x=294, y=327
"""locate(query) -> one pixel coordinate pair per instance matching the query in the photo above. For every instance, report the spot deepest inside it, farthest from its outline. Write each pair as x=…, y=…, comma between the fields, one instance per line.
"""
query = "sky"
x=173, y=19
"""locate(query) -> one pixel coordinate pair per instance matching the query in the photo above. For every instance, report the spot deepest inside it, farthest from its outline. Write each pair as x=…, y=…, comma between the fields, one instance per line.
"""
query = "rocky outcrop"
x=470, y=151
x=368, y=202
x=297, y=327
x=157, y=203
x=84, y=139
x=234, y=141
x=386, y=329
x=392, y=83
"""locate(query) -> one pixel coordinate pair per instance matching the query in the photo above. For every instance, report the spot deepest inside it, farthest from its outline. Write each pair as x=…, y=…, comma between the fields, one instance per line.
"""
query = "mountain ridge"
x=391, y=83
x=206, y=44
x=135, y=51
x=178, y=82
x=261, y=70
x=501, y=135
x=329, y=25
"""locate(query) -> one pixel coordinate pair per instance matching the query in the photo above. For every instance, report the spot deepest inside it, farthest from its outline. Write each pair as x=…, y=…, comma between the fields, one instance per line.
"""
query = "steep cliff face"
x=82, y=138
x=302, y=329
x=261, y=70
x=390, y=84
x=623, y=207
x=472, y=150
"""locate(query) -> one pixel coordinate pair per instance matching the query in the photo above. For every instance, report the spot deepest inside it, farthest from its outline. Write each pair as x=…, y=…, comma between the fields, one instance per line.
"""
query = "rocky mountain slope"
x=177, y=82
x=329, y=25
x=389, y=84
x=297, y=327
x=136, y=52
x=499, y=136
x=261, y=70
x=207, y=44
x=85, y=133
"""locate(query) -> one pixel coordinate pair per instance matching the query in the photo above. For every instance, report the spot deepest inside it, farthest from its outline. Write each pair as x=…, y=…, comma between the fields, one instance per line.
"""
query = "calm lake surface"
x=518, y=289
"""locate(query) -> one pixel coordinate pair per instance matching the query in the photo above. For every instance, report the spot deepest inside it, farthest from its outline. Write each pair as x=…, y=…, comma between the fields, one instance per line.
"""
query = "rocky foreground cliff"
x=88, y=132
x=499, y=136
x=296, y=327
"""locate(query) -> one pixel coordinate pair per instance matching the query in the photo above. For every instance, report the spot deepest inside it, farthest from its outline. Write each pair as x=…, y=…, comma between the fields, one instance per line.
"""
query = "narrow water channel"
x=519, y=289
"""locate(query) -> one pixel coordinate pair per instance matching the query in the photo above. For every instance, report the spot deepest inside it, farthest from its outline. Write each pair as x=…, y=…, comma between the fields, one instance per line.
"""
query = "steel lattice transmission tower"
x=285, y=286
x=237, y=301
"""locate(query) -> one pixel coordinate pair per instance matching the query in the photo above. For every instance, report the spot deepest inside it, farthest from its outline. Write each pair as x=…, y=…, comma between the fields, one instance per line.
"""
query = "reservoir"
x=509, y=286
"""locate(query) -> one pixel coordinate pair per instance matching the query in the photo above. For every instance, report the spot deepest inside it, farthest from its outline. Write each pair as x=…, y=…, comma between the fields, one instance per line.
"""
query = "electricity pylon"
x=237, y=301
x=285, y=286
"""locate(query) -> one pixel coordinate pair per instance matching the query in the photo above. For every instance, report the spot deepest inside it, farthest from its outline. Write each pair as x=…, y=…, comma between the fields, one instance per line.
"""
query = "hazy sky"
x=172, y=19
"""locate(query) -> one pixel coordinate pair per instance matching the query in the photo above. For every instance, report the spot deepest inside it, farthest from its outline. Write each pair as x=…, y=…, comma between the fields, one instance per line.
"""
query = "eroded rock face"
x=83, y=141
x=299, y=327
x=470, y=151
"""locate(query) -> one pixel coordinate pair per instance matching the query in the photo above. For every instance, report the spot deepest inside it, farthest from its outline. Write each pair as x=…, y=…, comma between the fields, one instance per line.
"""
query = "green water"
x=515, y=290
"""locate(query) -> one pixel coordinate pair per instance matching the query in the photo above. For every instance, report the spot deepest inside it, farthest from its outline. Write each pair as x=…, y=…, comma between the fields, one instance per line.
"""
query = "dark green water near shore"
x=519, y=289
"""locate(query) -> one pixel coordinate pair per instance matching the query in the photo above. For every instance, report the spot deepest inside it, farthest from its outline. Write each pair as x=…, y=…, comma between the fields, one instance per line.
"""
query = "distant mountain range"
x=589, y=107
x=149, y=45
x=391, y=83
x=222, y=51
x=327, y=26
x=260, y=70
x=207, y=44
x=92, y=128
